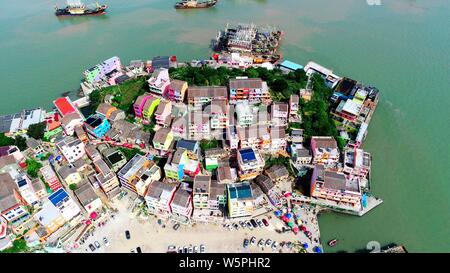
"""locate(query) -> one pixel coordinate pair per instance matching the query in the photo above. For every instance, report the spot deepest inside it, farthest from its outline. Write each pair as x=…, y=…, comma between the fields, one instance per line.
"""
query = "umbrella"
x=299, y=222
x=317, y=249
x=93, y=215
x=295, y=229
x=305, y=245
x=290, y=224
x=277, y=213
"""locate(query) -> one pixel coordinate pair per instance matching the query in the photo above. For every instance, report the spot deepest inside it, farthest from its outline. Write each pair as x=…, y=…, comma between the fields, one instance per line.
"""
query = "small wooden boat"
x=194, y=4
x=332, y=242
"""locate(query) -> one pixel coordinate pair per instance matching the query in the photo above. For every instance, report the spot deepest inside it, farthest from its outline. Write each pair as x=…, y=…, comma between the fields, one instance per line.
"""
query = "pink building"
x=139, y=104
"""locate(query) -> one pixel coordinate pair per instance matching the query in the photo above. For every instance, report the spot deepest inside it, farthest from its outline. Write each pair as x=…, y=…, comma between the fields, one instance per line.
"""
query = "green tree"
x=73, y=187
x=37, y=130
x=19, y=245
x=279, y=85
x=21, y=143
x=33, y=167
x=6, y=141
x=252, y=73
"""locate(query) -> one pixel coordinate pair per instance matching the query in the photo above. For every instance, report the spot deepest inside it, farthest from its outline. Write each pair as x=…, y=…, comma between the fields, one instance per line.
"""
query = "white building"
x=71, y=148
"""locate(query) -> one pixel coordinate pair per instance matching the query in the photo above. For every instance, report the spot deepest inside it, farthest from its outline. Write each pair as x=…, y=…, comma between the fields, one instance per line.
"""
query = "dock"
x=372, y=202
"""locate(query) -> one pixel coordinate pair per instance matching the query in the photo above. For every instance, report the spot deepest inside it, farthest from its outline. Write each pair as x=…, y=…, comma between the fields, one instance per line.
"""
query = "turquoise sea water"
x=400, y=46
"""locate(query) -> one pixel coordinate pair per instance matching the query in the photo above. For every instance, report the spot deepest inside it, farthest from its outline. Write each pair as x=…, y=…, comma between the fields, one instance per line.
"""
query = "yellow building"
x=69, y=175
x=50, y=218
x=240, y=200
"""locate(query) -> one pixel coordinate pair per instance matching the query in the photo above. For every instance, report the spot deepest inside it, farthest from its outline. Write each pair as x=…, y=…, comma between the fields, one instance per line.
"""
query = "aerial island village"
x=161, y=155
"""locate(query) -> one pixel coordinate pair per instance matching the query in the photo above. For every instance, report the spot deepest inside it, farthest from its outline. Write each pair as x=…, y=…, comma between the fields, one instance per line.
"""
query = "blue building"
x=97, y=125
x=288, y=66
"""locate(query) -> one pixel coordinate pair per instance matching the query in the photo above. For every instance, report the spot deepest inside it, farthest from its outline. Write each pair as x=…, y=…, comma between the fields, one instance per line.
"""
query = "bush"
x=73, y=187
x=130, y=153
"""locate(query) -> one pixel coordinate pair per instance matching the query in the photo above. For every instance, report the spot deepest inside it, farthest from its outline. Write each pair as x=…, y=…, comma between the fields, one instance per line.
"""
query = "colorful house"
x=159, y=81
x=163, y=139
x=240, y=200
x=98, y=72
x=105, y=109
x=65, y=106
x=174, y=168
x=138, y=173
x=69, y=175
x=177, y=90
x=139, y=104
x=97, y=125
x=149, y=108
x=50, y=177
x=252, y=90
x=162, y=114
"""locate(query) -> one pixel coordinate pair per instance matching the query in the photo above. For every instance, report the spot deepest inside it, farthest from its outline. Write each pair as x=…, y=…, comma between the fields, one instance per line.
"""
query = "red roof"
x=64, y=106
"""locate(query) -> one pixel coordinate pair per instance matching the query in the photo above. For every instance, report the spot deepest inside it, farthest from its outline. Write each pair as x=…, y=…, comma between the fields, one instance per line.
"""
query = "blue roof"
x=57, y=197
x=189, y=145
x=247, y=155
x=240, y=191
x=291, y=65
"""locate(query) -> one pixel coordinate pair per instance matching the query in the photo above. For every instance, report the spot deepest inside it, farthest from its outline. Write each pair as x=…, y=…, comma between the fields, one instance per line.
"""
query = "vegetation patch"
x=124, y=94
x=33, y=167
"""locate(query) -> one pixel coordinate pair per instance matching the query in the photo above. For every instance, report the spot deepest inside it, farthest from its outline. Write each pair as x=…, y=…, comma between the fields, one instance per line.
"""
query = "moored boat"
x=332, y=242
x=193, y=4
x=76, y=8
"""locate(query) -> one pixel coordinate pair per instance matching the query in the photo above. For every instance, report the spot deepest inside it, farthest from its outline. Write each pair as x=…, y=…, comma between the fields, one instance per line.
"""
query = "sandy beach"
x=151, y=237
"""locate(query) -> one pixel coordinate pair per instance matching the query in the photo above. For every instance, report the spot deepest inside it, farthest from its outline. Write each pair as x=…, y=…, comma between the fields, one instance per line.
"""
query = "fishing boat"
x=332, y=242
x=76, y=8
x=193, y=4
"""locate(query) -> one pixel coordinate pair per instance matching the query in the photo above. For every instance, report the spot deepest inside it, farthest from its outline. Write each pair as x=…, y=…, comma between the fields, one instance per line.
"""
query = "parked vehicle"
x=249, y=225
x=185, y=249
x=260, y=223
x=97, y=244
x=236, y=226
x=132, y=250
x=268, y=242
x=274, y=245
x=253, y=240
x=105, y=241
x=180, y=250
x=138, y=249
x=261, y=243
x=127, y=234
x=265, y=222
x=195, y=249
x=176, y=226
x=243, y=225
x=253, y=222
x=92, y=247
x=202, y=248
x=190, y=250
x=171, y=248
